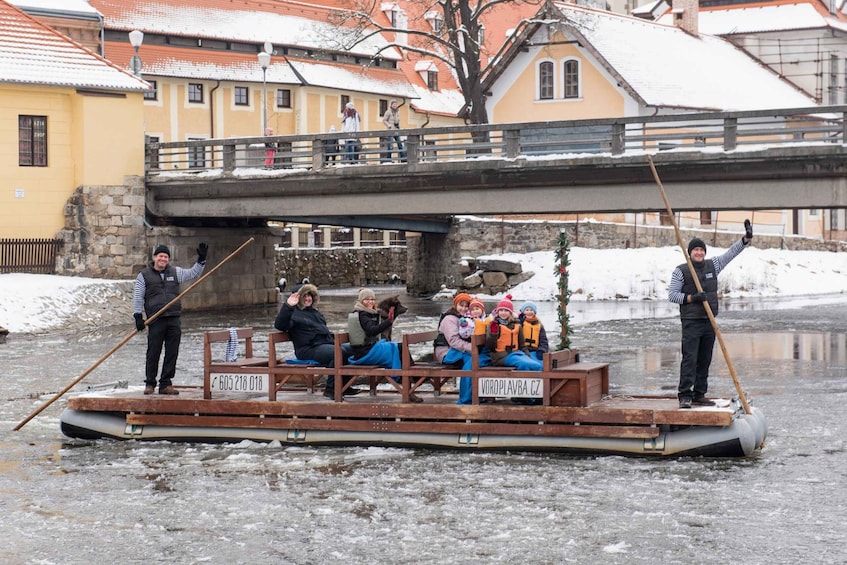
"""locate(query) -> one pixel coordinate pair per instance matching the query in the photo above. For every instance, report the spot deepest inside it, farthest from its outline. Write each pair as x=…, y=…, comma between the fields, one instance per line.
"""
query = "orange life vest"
x=532, y=333
x=507, y=339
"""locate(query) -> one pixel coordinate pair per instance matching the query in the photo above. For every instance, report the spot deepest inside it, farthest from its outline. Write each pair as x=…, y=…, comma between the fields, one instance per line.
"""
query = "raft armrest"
x=554, y=359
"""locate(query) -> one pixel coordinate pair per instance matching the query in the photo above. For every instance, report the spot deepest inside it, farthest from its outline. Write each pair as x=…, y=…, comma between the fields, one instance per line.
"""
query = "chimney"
x=685, y=15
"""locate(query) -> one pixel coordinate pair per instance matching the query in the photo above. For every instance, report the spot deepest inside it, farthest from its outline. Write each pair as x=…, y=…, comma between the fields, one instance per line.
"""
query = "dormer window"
x=436, y=21
x=391, y=11
x=429, y=73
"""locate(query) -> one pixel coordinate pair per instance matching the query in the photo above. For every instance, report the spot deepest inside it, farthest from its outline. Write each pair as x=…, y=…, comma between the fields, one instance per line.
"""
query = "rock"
x=494, y=279
x=472, y=281
x=508, y=267
x=515, y=280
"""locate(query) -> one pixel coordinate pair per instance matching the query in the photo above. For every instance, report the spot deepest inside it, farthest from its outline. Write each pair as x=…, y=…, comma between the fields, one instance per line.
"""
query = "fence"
x=705, y=131
x=29, y=255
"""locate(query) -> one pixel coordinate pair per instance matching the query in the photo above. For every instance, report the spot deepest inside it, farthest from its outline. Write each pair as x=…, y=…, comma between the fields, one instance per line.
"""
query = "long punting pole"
x=129, y=337
x=709, y=313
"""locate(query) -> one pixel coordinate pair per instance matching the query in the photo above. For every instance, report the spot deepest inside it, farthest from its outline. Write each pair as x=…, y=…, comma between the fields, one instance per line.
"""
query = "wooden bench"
x=283, y=373
x=375, y=373
x=245, y=367
x=419, y=372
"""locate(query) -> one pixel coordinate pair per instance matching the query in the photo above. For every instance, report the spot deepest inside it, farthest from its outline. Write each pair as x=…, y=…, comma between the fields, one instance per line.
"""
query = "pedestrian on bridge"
x=698, y=334
x=391, y=120
x=351, y=122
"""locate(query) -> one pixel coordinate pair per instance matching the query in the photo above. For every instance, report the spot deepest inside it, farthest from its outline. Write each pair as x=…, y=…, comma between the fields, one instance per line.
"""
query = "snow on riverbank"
x=37, y=303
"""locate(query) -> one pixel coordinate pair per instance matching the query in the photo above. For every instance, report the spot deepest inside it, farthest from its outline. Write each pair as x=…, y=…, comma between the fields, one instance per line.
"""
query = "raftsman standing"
x=156, y=285
x=698, y=335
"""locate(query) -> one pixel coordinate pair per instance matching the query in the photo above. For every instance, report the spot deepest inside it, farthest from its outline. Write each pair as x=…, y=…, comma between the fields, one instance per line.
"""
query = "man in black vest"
x=698, y=335
x=156, y=285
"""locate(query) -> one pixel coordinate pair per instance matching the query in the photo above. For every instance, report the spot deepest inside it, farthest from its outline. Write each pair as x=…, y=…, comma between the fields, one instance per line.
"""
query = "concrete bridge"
x=778, y=159
x=716, y=161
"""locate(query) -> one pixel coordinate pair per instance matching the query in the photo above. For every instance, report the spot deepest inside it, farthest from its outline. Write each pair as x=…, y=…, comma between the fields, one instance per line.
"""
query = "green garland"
x=562, y=263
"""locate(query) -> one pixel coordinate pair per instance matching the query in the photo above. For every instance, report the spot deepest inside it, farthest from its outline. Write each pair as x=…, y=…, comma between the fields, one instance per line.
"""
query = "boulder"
x=508, y=267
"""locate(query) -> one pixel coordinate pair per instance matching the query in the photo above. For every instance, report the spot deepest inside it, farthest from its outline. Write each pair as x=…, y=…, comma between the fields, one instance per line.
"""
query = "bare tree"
x=450, y=31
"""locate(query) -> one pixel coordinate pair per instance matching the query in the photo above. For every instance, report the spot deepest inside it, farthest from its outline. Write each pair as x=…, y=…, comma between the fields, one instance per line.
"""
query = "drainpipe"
x=212, y=109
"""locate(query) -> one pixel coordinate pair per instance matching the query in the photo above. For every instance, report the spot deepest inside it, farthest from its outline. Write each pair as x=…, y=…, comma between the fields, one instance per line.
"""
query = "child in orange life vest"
x=505, y=340
x=534, y=334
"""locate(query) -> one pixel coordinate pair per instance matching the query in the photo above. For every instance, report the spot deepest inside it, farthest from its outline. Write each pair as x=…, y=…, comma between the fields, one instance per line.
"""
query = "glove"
x=202, y=250
x=391, y=314
x=494, y=328
x=698, y=297
x=139, y=321
x=749, y=228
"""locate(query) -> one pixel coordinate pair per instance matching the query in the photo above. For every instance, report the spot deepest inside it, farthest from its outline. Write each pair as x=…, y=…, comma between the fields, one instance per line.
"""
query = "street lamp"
x=135, y=39
x=264, y=61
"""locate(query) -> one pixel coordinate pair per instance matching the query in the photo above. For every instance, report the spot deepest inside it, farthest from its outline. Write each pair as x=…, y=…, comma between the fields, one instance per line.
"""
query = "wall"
x=105, y=237
x=435, y=260
x=342, y=266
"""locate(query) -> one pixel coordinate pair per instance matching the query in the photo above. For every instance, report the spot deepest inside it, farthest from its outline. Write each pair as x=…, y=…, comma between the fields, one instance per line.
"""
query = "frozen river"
x=67, y=501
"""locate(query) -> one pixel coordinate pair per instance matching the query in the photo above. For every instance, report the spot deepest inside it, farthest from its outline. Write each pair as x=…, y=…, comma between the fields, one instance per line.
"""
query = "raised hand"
x=202, y=251
x=748, y=227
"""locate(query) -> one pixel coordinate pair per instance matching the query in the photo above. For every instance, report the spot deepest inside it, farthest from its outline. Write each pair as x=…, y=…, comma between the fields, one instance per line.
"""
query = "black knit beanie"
x=161, y=249
x=696, y=242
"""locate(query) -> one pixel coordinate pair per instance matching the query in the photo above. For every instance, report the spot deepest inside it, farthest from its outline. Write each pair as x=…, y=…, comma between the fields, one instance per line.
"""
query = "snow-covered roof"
x=665, y=66
x=729, y=20
x=77, y=8
x=169, y=61
x=443, y=102
x=281, y=23
x=32, y=53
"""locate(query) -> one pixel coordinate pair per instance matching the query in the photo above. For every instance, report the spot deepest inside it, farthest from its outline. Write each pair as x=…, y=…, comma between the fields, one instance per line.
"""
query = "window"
x=705, y=218
x=196, y=155
x=195, y=92
x=432, y=80
x=152, y=94
x=571, y=77
x=32, y=141
x=344, y=100
x=436, y=21
x=383, y=106
x=241, y=96
x=545, y=80
x=283, y=98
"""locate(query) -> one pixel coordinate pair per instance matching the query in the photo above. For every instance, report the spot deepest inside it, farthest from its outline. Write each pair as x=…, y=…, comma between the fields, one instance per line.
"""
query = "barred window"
x=241, y=95
x=32, y=141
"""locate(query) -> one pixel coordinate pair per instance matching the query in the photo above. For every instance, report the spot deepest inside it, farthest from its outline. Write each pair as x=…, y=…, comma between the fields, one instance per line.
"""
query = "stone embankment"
x=492, y=276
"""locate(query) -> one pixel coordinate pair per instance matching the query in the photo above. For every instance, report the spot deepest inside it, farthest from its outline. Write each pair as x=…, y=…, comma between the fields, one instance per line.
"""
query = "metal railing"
x=715, y=131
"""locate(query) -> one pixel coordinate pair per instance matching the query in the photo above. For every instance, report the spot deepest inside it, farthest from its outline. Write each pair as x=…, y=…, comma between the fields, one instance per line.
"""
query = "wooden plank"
x=392, y=426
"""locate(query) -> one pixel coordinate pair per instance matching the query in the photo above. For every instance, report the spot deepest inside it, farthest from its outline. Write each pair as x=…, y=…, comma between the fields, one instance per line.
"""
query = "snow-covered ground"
x=37, y=303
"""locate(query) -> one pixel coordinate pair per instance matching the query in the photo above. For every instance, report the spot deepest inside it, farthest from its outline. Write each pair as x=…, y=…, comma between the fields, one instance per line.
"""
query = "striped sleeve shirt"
x=182, y=275
x=675, y=294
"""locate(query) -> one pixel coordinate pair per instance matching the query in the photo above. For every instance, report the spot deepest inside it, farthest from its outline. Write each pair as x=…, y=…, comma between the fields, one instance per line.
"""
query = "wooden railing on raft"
x=564, y=380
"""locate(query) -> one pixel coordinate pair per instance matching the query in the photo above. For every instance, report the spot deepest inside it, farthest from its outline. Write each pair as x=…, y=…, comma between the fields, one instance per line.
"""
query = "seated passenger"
x=505, y=340
x=364, y=326
x=454, y=350
x=534, y=334
x=309, y=333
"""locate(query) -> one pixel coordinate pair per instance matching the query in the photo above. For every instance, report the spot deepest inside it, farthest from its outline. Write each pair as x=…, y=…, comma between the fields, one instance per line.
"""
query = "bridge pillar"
x=433, y=260
x=248, y=278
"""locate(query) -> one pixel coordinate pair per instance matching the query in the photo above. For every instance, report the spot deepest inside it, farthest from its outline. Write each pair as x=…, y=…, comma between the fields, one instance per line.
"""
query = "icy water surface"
x=67, y=501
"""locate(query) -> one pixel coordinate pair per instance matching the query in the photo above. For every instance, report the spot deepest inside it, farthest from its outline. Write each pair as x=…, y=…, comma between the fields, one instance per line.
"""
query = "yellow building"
x=68, y=118
x=572, y=63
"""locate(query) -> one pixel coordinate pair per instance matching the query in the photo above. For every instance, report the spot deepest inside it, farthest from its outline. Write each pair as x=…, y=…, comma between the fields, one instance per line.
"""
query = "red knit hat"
x=476, y=302
x=507, y=304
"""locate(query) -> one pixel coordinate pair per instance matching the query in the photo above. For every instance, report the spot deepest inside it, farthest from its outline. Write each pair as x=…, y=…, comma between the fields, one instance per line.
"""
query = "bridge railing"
x=724, y=131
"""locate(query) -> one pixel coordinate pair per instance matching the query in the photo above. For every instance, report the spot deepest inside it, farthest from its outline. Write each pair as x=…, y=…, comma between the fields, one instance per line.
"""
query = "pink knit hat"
x=507, y=304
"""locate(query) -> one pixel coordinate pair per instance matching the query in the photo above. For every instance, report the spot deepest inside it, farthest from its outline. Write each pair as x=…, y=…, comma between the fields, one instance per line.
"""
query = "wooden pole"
x=123, y=342
x=709, y=313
